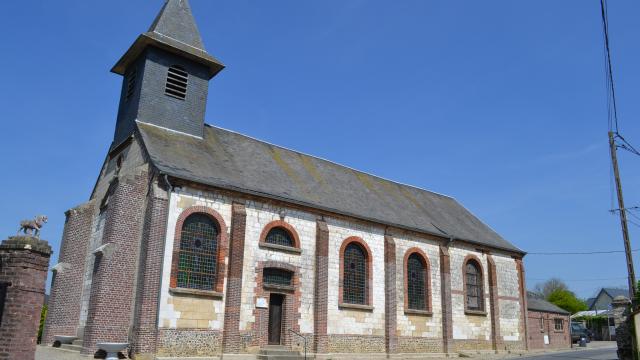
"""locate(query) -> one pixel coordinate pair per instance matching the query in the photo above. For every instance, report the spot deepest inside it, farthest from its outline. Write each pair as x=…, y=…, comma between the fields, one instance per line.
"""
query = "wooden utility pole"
x=623, y=216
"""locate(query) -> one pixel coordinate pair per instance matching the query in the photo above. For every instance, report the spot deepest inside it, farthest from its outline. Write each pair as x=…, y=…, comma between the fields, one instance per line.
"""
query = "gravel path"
x=49, y=353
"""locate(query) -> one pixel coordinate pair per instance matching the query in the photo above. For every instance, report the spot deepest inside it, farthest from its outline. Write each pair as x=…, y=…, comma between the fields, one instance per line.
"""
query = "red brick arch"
x=475, y=259
x=222, y=244
x=369, y=259
x=280, y=224
x=427, y=264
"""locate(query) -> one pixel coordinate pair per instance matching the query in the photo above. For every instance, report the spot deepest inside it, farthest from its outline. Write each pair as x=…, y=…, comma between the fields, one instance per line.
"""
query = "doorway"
x=275, y=318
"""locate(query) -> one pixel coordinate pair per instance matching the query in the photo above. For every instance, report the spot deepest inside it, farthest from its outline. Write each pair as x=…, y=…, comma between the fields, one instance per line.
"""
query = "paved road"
x=596, y=354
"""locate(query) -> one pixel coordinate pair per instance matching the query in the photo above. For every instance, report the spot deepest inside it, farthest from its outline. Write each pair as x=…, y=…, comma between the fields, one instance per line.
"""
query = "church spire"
x=173, y=30
x=176, y=21
x=166, y=75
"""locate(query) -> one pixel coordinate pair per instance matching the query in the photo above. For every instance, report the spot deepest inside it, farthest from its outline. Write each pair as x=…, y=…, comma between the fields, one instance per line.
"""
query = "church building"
x=201, y=242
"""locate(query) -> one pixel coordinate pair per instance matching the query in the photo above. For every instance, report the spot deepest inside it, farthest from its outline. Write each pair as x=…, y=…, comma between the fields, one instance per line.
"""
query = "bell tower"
x=166, y=75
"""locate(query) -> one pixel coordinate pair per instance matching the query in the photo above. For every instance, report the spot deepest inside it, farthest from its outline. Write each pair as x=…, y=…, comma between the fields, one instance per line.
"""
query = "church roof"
x=174, y=30
x=232, y=161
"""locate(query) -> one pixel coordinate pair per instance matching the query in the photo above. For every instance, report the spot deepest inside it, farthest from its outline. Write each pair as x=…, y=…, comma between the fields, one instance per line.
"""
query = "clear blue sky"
x=500, y=104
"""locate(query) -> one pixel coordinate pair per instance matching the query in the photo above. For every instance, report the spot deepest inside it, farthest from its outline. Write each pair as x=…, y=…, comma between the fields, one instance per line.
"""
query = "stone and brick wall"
x=65, y=302
x=24, y=262
x=347, y=329
x=542, y=324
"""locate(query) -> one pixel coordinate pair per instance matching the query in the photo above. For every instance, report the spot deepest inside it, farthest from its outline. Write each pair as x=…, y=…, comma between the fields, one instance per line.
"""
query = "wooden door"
x=275, y=318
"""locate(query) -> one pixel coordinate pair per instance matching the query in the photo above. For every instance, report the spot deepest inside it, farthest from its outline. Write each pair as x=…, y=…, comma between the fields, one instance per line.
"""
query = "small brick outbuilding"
x=548, y=324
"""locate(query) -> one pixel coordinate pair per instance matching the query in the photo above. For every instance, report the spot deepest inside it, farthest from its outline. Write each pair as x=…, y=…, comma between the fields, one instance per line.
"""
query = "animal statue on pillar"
x=32, y=227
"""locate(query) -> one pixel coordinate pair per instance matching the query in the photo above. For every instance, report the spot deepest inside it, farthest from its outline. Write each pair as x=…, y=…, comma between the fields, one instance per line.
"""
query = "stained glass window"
x=474, y=286
x=355, y=277
x=278, y=277
x=416, y=282
x=197, y=268
x=280, y=236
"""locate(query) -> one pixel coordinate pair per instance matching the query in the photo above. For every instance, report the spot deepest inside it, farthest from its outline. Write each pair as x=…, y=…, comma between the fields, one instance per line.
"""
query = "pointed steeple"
x=173, y=30
x=176, y=21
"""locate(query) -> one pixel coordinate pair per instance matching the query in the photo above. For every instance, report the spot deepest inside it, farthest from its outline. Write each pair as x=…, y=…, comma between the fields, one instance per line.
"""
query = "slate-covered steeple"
x=166, y=75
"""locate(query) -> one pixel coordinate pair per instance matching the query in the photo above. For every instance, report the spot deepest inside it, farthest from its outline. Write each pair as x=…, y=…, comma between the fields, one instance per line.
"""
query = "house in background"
x=548, y=326
x=604, y=298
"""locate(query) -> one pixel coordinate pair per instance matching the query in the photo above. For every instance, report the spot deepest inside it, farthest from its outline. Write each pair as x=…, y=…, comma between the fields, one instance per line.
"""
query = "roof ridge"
x=332, y=162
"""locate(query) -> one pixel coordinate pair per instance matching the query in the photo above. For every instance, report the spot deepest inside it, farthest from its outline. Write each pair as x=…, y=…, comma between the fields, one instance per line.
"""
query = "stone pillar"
x=24, y=263
x=494, y=305
x=321, y=294
x=390, y=298
x=111, y=304
x=63, y=314
x=144, y=342
x=447, y=312
x=524, y=320
x=231, y=341
x=624, y=324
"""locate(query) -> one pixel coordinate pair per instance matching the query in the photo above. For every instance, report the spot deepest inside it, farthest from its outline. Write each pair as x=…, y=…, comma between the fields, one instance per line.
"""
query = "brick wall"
x=542, y=324
x=24, y=262
x=144, y=340
x=67, y=284
x=113, y=288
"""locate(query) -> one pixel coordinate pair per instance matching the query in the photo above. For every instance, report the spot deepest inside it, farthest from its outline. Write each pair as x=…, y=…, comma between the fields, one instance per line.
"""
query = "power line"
x=580, y=252
x=581, y=280
x=611, y=96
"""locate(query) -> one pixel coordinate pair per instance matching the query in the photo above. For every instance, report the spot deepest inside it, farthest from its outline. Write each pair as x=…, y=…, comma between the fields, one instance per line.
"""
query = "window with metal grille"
x=197, y=268
x=131, y=82
x=280, y=236
x=280, y=277
x=416, y=282
x=474, y=286
x=177, y=81
x=355, y=278
x=559, y=324
x=3, y=297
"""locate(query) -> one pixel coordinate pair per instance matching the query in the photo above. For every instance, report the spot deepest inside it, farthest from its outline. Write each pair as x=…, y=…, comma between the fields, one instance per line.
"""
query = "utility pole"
x=623, y=216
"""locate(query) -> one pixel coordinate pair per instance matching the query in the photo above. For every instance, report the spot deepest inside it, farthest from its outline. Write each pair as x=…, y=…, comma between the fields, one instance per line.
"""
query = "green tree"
x=43, y=317
x=566, y=300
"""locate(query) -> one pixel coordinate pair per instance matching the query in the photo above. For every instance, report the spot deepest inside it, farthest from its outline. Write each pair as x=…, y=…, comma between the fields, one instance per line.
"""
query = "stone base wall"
x=420, y=345
x=189, y=343
x=471, y=345
x=356, y=344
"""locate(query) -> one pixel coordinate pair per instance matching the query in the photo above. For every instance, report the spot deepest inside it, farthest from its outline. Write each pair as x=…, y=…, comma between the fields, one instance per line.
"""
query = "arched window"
x=198, y=253
x=473, y=286
x=355, y=286
x=177, y=81
x=280, y=236
x=417, y=283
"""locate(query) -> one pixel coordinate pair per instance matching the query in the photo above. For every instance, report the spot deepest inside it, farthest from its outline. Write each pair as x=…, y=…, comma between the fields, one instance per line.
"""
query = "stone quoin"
x=201, y=242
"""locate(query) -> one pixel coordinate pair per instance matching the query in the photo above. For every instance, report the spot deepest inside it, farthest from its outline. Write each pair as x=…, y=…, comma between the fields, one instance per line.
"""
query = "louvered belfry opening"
x=177, y=81
x=131, y=82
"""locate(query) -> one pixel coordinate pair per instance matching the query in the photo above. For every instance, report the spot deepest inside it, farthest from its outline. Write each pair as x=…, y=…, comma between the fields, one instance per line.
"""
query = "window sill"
x=279, y=287
x=475, y=312
x=355, y=307
x=288, y=249
x=195, y=292
x=418, y=312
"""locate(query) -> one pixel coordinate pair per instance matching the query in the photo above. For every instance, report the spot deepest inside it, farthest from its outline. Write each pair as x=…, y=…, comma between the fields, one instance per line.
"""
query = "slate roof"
x=232, y=161
x=535, y=303
x=613, y=292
